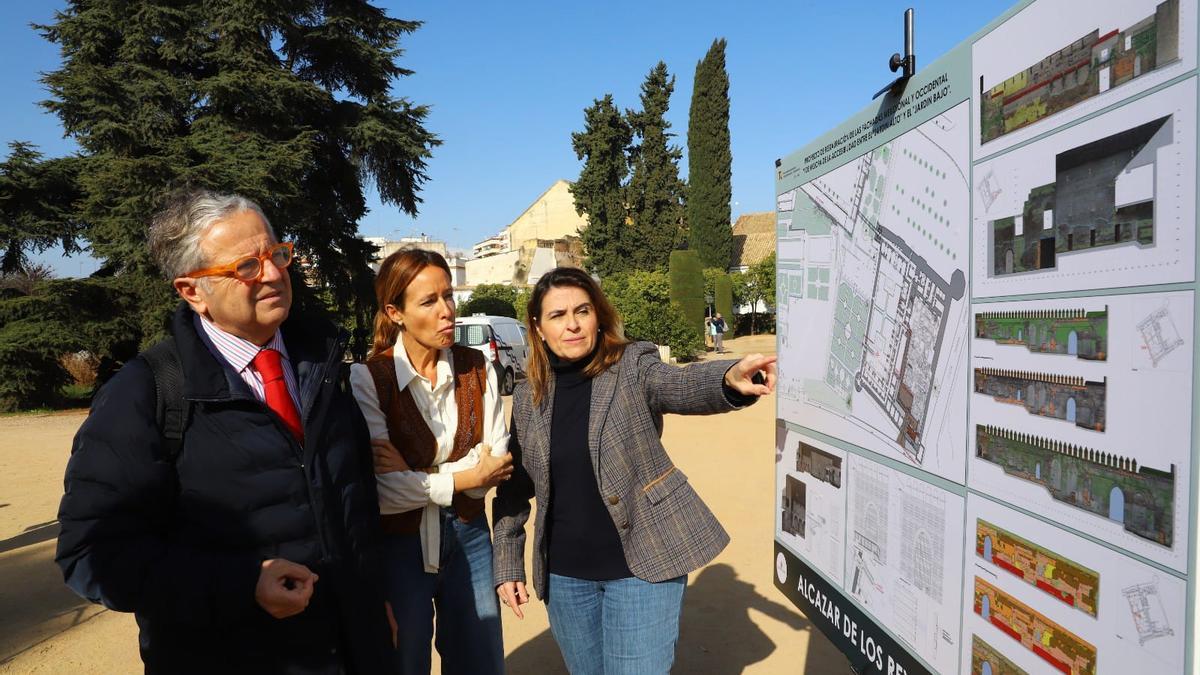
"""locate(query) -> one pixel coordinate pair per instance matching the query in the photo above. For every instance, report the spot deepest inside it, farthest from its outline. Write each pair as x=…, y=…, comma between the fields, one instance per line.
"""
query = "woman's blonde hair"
x=612, y=333
x=395, y=274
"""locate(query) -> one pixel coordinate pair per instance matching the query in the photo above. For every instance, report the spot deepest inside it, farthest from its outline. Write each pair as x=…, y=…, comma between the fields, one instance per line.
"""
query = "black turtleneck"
x=583, y=541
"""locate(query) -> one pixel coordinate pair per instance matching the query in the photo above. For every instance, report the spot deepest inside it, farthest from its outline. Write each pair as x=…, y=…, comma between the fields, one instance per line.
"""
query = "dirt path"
x=734, y=620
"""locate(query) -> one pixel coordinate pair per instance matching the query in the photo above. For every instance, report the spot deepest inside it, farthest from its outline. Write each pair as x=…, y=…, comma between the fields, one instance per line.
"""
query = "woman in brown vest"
x=440, y=443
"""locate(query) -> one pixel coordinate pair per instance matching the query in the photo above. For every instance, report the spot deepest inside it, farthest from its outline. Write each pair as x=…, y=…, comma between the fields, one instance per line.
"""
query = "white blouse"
x=401, y=491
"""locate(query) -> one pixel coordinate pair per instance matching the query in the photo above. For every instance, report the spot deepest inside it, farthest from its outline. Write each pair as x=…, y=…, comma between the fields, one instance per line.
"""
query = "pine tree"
x=600, y=191
x=36, y=199
x=655, y=191
x=286, y=103
x=710, y=161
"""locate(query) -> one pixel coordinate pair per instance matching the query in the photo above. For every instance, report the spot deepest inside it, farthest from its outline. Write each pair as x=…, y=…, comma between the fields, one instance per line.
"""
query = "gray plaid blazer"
x=665, y=529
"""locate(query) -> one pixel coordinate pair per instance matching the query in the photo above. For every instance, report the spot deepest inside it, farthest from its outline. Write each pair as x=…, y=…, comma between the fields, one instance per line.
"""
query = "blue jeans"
x=619, y=627
x=468, y=611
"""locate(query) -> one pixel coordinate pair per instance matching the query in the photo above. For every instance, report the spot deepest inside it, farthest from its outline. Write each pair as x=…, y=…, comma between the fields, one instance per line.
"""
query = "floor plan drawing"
x=1160, y=335
x=876, y=286
x=988, y=190
x=1147, y=610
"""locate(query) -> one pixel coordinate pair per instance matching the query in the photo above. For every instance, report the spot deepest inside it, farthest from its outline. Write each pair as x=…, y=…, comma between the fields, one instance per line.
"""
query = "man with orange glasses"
x=222, y=487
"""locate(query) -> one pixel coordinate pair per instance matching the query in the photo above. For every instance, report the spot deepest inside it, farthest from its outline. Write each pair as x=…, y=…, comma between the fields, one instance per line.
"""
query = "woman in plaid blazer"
x=618, y=526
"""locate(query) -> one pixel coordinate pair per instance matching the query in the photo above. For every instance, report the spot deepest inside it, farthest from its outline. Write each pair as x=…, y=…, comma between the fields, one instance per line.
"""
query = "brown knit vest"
x=409, y=432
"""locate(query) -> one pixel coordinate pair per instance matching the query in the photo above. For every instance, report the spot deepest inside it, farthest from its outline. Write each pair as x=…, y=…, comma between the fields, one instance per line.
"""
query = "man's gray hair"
x=176, y=231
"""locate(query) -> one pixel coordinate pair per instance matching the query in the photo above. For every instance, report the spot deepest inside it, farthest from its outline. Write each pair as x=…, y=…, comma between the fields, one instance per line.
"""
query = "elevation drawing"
x=1064, y=397
x=1079, y=70
x=1071, y=332
x=1102, y=195
x=1053, y=574
x=1062, y=649
x=1114, y=487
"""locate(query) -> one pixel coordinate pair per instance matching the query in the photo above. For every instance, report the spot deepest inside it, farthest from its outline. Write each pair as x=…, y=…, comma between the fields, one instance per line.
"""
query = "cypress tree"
x=710, y=162
x=286, y=103
x=600, y=191
x=655, y=191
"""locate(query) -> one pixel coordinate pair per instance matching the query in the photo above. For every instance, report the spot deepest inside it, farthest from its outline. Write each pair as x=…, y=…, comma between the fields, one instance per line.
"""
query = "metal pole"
x=910, y=63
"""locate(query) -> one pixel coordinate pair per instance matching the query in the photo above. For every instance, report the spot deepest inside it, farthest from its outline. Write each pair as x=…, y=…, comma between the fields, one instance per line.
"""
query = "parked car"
x=502, y=340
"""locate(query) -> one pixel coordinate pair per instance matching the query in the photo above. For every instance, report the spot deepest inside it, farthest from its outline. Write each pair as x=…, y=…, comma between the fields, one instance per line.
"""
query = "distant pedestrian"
x=718, y=333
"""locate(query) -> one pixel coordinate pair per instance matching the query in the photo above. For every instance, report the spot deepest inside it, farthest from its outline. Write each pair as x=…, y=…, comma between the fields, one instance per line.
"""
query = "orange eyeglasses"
x=250, y=268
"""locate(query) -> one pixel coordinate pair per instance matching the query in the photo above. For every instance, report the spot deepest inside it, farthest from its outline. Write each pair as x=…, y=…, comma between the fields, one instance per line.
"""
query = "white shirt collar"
x=238, y=353
x=406, y=373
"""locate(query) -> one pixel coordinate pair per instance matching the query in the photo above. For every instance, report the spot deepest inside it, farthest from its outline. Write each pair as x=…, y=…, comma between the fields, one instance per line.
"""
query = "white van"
x=502, y=340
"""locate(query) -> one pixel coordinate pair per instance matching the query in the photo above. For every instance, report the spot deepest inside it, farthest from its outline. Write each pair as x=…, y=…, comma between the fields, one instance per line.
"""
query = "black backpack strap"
x=171, y=410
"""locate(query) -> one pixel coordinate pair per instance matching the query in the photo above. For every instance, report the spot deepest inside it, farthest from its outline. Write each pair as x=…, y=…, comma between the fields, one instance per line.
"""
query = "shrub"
x=81, y=366
x=60, y=317
x=643, y=301
x=491, y=299
x=30, y=373
x=489, y=306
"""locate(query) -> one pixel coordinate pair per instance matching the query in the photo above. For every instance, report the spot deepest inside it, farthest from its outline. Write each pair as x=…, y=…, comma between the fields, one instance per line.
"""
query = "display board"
x=986, y=320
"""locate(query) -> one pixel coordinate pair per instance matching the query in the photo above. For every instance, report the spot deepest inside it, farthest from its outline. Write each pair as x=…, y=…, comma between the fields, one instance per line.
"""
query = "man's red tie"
x=268, y=364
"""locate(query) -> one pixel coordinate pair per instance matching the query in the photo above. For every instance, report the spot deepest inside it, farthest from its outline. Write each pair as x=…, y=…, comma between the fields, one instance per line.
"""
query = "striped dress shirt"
x=238, y=354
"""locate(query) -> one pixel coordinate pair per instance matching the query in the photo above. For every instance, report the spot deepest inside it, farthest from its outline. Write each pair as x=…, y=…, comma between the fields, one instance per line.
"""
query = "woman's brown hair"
x=395, y=274
x=612, y=333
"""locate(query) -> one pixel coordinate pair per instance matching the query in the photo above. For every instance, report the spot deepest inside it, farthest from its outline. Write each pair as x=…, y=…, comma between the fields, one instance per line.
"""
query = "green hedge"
x=687, y=287
x=724, y=300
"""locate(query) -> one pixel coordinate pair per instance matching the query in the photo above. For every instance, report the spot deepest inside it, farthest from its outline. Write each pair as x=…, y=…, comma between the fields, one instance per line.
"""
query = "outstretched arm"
x=701, y=388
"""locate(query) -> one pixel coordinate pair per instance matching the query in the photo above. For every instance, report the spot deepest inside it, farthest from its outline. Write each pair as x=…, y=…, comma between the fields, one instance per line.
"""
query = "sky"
x=507, y=84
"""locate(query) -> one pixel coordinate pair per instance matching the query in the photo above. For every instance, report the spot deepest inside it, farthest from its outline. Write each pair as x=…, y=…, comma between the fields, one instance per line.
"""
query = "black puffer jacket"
x=181, y=545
